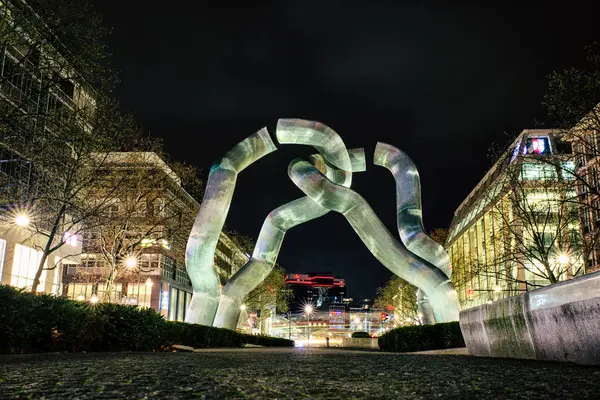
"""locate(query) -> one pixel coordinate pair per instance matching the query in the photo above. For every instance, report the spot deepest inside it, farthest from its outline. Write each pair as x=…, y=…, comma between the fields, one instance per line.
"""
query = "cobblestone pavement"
x=288, y=374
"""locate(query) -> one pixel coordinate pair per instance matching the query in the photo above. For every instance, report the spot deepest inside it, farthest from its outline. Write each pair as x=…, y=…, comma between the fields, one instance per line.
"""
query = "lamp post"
x=308, y=309
x=289, y=317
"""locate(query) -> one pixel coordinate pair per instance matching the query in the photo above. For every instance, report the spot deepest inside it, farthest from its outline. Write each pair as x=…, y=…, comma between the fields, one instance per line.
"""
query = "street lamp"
x=22, y=219
x=243, y=307
x=94, y=299
x=80, y=297
x=308, y=309
x=149, y=282
x=563, y=259
x=130, y=262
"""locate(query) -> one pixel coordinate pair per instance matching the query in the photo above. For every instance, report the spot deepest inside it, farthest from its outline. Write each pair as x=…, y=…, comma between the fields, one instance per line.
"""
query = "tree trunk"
x=109, y=281
x=38, y=273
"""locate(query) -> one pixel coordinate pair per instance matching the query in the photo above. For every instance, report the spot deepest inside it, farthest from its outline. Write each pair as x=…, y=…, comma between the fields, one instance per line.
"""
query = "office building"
x=518, y=229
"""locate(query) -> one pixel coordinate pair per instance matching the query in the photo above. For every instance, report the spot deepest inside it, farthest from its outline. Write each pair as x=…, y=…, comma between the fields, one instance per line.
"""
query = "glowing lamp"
x=149, y=282
x=563, y=259
x=94, y=299
x=131, y=262
x=22, y=220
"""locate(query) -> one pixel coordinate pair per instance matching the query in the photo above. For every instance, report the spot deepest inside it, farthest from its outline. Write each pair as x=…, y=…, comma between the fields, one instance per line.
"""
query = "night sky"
x=440, y=82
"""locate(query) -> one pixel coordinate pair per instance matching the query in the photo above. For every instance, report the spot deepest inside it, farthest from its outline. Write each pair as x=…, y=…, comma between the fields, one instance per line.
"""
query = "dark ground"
x=288, y=374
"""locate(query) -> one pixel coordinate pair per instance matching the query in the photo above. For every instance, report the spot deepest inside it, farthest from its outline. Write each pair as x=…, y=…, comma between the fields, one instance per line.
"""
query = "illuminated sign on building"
x=537, y=145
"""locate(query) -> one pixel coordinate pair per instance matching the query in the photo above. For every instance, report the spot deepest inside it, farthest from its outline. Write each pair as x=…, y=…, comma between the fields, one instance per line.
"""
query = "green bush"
x=267, y=341
x=41, y=323
x=422, y=337
x=361, y=335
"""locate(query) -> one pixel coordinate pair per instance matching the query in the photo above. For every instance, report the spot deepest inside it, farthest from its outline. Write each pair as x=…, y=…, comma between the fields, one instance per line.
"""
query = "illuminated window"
x=142, y=292
x=71, y=239
x=2, y=251
x=173, y=304
x=180, y=305
x=538, y=171
x=74, y=290
x=147, y=243
x=25, y=264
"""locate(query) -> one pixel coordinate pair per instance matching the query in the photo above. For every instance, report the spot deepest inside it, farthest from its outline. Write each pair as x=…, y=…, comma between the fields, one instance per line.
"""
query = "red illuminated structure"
x=318, y=289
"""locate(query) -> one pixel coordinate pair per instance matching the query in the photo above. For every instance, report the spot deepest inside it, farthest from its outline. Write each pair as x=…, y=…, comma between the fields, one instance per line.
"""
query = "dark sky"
x=440, y=82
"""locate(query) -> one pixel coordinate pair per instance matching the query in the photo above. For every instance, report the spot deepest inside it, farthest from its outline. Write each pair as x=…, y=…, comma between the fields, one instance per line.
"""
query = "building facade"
x=38, y=91
x=135, y=252
x=585, y=139
x=519, y=228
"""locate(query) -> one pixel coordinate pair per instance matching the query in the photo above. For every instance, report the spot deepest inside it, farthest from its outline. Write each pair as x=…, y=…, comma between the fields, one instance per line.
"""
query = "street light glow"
x=497, y=288
x=131, y=262
x=308, y=309
x=243, y=307
x=563, y=259
x=94, y=299
x=149, y=282
x=80, y=297
x=22, y=219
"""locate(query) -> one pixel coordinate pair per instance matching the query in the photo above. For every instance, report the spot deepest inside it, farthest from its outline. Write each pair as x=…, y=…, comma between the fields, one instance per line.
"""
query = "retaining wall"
x=366, y=343
x=559, y=322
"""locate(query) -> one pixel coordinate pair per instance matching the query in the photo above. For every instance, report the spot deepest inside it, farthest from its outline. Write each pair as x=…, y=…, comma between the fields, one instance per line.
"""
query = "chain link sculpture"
x=325, y=182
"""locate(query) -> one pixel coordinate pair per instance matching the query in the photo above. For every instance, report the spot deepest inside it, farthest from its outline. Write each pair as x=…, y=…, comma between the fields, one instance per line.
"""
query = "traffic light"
x=383, y=317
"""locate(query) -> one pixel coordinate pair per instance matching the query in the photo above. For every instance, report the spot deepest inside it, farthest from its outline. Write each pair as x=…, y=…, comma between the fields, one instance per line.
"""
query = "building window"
x=2, y=252
x=81, y=291
x=173, y=304
x=25, y=264
x=181, y=305
x=142, y=292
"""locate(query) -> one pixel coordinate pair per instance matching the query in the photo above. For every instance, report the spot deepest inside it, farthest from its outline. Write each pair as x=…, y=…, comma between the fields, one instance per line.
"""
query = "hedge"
x=42, y=323
x=422, y=337
x=267, y=341
x=361, y=335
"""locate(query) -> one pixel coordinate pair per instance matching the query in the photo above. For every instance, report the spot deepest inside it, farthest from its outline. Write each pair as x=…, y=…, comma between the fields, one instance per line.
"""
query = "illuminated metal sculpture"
x=327, y=185
x=336, y=162
x=202, y=242
x=391, y=253
x=410, y=217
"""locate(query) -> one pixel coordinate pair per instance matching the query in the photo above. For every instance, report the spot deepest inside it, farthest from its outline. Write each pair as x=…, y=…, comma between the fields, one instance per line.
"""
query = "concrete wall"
x=559, y=322
x=366, y=343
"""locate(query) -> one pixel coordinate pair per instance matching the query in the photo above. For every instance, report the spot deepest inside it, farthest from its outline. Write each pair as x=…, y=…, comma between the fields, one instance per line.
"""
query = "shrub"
x=267, y=341
x=422, y=337
x=39, y=323
x=361, y=335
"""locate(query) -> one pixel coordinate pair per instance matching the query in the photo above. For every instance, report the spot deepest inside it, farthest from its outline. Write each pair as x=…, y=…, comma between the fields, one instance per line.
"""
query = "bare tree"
x=529, y=233
x=271, y=295
x=146, y=213
x=401, y=297
x=573, y=106
x=55, y=113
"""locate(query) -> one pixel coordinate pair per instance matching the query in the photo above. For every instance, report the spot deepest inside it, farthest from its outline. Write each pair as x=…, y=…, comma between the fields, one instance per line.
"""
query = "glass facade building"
x=518, y=229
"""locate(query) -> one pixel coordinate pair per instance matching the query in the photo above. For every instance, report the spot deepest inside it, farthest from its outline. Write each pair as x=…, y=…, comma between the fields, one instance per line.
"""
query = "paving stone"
x=263, y=373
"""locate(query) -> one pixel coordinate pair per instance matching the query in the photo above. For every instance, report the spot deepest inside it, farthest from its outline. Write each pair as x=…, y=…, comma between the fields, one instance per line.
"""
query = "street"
x=288, y=374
